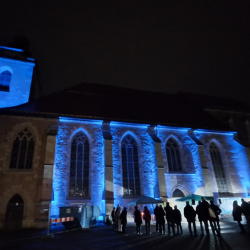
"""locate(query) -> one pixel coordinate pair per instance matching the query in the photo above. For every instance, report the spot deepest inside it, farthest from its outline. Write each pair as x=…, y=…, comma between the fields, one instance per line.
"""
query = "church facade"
x=100, y=145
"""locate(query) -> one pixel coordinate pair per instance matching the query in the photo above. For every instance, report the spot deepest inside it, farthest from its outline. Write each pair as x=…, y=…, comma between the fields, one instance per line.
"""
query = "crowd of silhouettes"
x=207, y=213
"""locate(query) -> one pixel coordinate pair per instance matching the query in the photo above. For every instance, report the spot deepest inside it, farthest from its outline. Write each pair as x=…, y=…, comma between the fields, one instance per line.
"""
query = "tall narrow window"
x=79, y=166
x=130, y=167
x=22, y=150
x=218, y=169
x=5, y=78
x=173, y=155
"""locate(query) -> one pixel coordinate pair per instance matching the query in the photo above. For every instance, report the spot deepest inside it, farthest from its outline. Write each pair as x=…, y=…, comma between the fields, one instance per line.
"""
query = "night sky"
x=198, y=46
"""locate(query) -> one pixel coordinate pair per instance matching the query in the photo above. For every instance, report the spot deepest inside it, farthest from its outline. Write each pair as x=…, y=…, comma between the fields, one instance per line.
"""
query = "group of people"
x=207, y=213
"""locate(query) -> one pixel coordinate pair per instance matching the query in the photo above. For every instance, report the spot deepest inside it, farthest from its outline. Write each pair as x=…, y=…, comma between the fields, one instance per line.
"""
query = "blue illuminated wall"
x=147, y=161
x=66, y=131
x=20, y=82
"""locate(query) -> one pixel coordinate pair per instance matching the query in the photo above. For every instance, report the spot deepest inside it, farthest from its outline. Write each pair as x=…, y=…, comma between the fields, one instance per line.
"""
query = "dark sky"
x=198, y=46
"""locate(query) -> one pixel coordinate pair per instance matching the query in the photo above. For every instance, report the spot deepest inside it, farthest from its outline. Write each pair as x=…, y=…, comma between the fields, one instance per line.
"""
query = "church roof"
x=102, y=102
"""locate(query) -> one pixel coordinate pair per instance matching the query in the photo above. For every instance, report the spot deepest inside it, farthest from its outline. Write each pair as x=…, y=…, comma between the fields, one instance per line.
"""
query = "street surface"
x=103, y=237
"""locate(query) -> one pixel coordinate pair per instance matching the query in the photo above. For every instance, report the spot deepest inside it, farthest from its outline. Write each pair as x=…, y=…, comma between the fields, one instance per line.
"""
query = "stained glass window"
x=79, y=166
x=173, y=155
x=5, y=78
x=130, y=167
x=22, y=150
x=218, y=169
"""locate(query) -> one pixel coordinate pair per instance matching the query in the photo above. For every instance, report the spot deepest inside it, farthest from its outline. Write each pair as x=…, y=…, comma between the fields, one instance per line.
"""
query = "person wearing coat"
x=156, y=217
x=199, y=218
x=113, y=219
x=217, y=212
x=123, y=218
x=147, y=218
x=117, y=218
x=246, y=210
x=237, y=212
x=177, y=219
x=161, y=219
x=169, y=218
x=203, y=214
x=138, y=220
x=190, y=215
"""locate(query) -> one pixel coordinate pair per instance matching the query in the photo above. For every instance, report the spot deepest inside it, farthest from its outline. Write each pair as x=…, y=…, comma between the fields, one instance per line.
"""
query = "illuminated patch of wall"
x=67, y=128
x=147, y=160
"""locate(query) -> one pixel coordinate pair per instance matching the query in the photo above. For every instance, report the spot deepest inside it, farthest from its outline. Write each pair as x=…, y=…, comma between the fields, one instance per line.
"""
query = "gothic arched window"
x=173, y=155
x=23, y=150
x=218, y=169
x=5, y=78
x=79, y=166
x=130, y=167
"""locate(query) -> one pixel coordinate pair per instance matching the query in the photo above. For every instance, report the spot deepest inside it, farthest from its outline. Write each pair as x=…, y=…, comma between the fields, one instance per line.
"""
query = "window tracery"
x=173, y=155
x=23, y=150
x=79, y=166
x=130, y=167
x=218, y=169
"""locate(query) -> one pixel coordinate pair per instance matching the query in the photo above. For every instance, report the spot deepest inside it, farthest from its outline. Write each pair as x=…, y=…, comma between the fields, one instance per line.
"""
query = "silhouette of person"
x=190, y=215
x=147, y=218
x=156, y=217
x=246, y=210
x=161, y=219
x=113, y=218
x=138, y=220
x=123, y=218
x=237, y=212
x=217, y=212
x=177, y=219
x=117, y=218
x=203, y=214
x=197, y=212
x=169, y=218
x=212, y=221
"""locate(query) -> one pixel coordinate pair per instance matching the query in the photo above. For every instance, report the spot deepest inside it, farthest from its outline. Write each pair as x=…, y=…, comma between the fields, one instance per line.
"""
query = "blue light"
x=79, y=120
x=13, y=49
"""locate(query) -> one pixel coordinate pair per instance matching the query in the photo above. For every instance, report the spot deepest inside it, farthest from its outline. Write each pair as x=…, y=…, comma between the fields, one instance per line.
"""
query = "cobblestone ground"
x=103, y=237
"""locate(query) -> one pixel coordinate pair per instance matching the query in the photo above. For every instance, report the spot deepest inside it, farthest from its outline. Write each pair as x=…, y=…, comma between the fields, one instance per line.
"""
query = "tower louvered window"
x=173, y=155
x=130, y=167
x=218, y=169
x=5, y=78
x=79, y=166
x=22, y=150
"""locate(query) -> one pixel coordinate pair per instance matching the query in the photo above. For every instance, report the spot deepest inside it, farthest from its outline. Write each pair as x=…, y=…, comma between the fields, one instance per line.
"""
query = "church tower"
x=16, y=72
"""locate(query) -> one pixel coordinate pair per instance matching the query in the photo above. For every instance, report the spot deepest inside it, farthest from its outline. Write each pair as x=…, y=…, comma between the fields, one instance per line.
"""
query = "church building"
x=100, y=145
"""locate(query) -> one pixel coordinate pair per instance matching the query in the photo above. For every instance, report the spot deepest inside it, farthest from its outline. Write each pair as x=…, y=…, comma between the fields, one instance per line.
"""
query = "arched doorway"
x=178, y=193
x=14, y=212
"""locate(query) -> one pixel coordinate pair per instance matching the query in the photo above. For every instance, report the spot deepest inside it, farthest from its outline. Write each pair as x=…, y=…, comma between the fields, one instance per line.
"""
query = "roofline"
x=70, y=116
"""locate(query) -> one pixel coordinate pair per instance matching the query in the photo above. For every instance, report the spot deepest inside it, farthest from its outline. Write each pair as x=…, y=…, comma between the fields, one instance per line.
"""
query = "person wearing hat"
x=138, y=220
x=147, y=218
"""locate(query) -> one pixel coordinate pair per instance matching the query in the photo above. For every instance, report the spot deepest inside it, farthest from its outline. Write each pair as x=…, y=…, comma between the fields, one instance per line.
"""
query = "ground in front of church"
x=104, y=237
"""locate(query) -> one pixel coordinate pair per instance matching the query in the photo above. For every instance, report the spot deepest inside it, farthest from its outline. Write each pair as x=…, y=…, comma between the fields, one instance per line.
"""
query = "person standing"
x=237, y=212
x=117, y=218
x=199, y=218
x=177, y=219
x=113, y=219
x=169, y=217
x=217, y=212
x=190, y=215
x=156, y=217
x=123, y=218
x=246, y=211
x=161, y=219
x=203, y=213
x=138, y=220
x=147, y=218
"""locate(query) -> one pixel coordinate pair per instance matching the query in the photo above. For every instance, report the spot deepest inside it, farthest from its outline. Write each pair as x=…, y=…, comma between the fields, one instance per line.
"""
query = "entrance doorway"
x=14, y=212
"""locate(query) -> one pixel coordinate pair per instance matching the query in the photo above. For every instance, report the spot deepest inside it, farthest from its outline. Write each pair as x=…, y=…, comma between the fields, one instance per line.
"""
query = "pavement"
x=104, y=237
